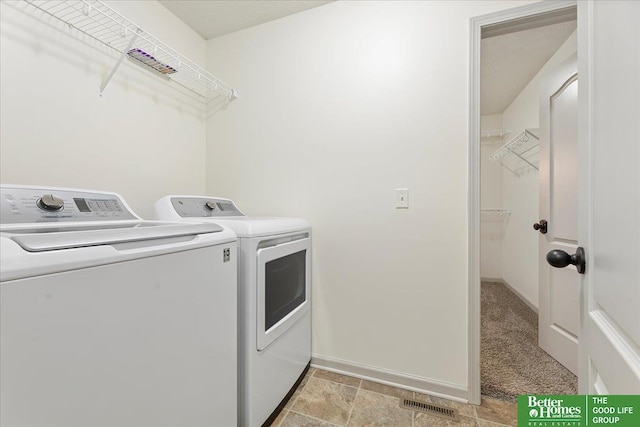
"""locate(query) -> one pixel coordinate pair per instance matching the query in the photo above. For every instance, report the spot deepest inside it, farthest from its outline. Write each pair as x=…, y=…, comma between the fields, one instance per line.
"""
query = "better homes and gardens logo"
x=579, y=411
x=553, y=410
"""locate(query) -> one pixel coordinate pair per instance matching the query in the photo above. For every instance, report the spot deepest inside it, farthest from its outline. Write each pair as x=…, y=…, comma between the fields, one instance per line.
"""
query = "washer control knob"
x=210, y=204
x=50, y=202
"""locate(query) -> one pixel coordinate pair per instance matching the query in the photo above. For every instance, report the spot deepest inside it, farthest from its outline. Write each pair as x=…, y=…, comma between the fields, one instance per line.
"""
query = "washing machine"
x=274, y=300
x=110, y=320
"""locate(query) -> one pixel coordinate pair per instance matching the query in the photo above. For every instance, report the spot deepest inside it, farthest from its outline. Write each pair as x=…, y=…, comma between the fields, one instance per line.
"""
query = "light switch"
x=402, y=198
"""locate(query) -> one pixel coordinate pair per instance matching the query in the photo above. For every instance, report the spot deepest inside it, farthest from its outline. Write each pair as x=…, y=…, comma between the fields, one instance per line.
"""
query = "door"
x=609, y=191
x=559, y=291
x=284, y=279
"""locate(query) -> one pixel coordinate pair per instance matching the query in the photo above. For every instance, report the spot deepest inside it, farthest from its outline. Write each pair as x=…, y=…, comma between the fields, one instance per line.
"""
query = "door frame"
x=517, y=17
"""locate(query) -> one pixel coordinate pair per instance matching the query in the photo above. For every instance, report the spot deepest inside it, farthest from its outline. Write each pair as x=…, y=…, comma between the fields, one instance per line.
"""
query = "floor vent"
x=431, y=409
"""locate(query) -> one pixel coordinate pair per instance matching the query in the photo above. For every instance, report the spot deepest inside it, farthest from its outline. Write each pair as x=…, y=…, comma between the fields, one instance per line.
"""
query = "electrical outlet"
x=402, y=198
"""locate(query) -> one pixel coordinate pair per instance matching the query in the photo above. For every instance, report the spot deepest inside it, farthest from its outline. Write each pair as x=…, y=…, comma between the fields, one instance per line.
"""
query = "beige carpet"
x=511, y=361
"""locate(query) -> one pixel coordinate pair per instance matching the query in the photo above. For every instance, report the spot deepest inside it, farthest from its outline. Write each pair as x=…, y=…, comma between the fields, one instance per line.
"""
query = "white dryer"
x=274, y=300
x=110, y=320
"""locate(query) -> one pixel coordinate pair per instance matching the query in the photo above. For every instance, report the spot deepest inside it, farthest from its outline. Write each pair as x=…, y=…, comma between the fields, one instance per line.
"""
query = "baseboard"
x=392, y=378
x=512, y=289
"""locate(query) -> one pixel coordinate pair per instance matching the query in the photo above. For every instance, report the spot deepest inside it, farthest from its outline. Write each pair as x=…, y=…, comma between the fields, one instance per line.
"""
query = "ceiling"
x=512, y=53
x=510, y=61
x=216, y=18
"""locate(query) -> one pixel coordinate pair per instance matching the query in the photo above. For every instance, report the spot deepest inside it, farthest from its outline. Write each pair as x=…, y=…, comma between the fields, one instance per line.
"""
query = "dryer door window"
x=284, y=282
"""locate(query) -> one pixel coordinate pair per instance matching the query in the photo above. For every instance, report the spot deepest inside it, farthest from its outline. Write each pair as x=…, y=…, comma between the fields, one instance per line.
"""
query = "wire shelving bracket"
x=97, y=20
x=523, y=147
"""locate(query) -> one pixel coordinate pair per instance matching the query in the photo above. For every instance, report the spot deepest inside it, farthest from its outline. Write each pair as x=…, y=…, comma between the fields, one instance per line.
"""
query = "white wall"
x=339, y=106
x=491, y=226
x=142, y=139
x=521, y=242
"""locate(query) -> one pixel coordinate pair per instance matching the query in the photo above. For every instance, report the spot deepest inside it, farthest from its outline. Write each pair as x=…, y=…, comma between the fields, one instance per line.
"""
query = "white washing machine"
x=274, y=300
x=109, y=320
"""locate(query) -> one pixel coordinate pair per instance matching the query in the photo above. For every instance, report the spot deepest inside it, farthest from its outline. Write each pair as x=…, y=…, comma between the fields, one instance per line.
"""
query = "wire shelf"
x=495, y=212
x=519, y=152
x=97, y=20
x=495, y=133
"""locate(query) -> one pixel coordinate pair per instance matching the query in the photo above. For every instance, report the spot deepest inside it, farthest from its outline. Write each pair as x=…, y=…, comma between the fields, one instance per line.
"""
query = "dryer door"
x=284, y=279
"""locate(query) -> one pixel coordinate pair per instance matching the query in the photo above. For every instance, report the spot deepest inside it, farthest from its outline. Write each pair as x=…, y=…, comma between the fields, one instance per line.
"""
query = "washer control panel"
x=204, y=207
x=20, y=205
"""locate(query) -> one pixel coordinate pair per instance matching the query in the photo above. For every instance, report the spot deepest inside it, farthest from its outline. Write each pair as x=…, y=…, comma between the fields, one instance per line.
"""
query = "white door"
x=559, y=309
x=609, y=195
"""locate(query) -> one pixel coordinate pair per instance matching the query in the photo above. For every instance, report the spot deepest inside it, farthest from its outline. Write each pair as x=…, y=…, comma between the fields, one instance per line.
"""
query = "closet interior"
x=514, y=63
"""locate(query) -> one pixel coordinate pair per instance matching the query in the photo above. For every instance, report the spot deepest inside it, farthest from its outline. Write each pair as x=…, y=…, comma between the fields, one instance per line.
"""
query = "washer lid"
x=49, y=239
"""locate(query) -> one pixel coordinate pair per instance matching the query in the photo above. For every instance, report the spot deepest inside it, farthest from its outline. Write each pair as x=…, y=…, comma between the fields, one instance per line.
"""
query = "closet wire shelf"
x=97, y=20
x=495, y=133
x=519, y=152
x=495, y=212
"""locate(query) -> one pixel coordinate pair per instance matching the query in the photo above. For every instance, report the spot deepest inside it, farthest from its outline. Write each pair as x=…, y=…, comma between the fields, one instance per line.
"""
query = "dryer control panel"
x=204, y=207
x=20, y=205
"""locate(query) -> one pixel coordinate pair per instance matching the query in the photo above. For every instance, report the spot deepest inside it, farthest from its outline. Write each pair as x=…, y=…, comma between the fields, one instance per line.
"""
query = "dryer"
x=110, y=320
x=274, y=300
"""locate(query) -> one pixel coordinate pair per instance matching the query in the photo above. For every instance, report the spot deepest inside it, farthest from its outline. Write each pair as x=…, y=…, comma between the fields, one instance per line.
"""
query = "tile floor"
x=327, y=399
